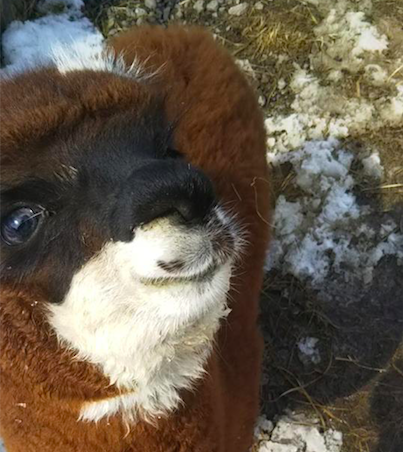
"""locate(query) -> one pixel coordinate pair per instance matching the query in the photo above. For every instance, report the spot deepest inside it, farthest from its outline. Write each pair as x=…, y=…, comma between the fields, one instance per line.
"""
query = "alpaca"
x=134, y=224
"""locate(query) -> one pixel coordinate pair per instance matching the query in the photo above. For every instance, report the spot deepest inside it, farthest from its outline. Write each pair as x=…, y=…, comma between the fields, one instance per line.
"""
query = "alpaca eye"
x=20, y=225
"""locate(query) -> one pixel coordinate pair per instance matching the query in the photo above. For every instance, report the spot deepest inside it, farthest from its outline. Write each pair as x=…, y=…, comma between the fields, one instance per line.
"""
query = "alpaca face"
x=63, y=203
x=129, y=244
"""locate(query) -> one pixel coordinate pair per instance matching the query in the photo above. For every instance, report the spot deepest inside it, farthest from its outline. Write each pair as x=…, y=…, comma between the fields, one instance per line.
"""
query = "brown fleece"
x=220, y=128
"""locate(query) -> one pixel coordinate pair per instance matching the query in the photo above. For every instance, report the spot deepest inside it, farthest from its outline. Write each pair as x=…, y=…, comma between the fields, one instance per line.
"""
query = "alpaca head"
x=122, y=235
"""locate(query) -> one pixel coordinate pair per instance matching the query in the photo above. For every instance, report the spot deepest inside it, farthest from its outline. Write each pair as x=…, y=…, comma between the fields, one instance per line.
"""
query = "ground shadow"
x=357, y=340
x=387, y=408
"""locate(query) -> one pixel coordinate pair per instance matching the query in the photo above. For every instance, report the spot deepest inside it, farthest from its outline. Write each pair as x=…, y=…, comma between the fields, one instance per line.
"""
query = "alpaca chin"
x=149, y=327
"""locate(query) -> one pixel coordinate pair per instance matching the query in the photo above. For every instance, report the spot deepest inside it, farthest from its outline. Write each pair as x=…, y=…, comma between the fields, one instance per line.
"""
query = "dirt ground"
x=357, y=387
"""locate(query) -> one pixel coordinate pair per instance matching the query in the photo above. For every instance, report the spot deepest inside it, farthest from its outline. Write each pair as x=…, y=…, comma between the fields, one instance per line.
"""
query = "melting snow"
x=32, y=43
x=295, y=433
x=349, y=43
x=308, y=351
x=325, y=229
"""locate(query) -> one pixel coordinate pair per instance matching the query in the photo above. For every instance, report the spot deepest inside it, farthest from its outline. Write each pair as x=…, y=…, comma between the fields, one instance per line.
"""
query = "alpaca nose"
x=173, y=188
x=164, y=188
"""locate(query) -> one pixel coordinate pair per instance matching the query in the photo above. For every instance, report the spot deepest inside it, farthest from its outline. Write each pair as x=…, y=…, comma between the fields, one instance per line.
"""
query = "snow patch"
x=308, y=351
x=294, y=432
x=392, y=110
x=319, y=112
x=372, y=166
x=348, y=38
x=32, y=43
x=246, y=67
x=349, y=44
x=324, y=231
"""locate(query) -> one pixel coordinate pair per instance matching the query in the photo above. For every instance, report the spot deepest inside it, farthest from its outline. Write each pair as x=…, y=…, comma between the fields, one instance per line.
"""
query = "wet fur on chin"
x=44, y=388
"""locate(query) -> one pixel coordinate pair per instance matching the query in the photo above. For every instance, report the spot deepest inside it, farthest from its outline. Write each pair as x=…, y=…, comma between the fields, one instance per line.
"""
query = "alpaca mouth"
x=205, y=276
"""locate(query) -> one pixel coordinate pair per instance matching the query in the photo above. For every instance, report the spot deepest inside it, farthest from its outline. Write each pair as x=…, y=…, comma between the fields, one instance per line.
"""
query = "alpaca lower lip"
x=202, y=277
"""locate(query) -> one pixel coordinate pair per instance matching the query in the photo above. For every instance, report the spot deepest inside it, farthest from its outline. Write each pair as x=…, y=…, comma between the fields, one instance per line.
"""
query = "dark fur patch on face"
x=94, y=182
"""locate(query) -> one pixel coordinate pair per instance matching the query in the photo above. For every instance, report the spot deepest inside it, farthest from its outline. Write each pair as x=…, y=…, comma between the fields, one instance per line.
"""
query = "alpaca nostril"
x=188, y=211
